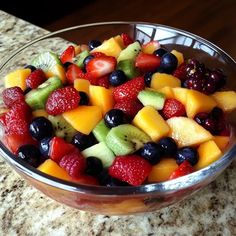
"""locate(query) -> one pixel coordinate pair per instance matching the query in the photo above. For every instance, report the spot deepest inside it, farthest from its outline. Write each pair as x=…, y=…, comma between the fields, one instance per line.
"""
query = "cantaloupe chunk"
x=160, y=80
x=208, y=153
x=83, y=118
x=110, y=47
x=52, y=168
x=100, y=96
x=162, y=170
x=198, y=102
x=151, y=122
x=40, y=112
x=150, y=47
x=187, y=132
x=180, y=94
x=58, y=71
x=226, y=100
x=221, y=141
x=82, y=85
x=179, y=56
x=167, y=91
x=17, y=78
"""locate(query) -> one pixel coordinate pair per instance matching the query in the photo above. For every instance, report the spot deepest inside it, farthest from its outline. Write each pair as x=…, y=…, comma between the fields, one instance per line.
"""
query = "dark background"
x=214, y=20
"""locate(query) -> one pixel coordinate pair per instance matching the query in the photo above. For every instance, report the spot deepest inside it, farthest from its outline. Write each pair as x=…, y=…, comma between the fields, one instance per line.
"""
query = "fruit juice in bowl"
x=118, y=118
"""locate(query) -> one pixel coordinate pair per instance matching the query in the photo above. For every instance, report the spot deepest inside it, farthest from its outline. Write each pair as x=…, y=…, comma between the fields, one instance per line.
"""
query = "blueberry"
x=40, y=128
x=152, y=152
x=27, y=90
x=168, y=145
x=67, y=64
x=117, y=77
x=32, y=68
x=187, y=153
x=87, y=59
x=82, y=141
x=30, y=154
x=94, y=166
x=114, y=117
x=84, y=99
x=44, y=146
x=93, y=44
x=169, y=62
x=148, y=78
x=106, y=180
x=160, y=52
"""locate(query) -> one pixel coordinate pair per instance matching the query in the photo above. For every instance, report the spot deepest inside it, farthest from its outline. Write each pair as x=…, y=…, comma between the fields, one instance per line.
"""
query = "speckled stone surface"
x=25, y=211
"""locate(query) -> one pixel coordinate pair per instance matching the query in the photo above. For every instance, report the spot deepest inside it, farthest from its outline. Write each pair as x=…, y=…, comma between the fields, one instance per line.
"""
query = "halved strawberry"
x=59, y=148
x=100, y=66
x=98, y=54
x=185, y=168
x=147, y=62
x=103, y=81
x=74, y=72
x=127, y=40
x=68, y=54
x=180, y=72
x=129, y=90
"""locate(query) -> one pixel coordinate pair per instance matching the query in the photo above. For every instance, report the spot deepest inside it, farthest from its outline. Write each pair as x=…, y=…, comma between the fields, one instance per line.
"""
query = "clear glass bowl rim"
x=154, y=188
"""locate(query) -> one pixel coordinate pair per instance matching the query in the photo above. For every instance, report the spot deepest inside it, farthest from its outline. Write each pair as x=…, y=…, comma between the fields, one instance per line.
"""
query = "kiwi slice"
x=79, y=60
x=130, y=52
x=127, y=66
x=62, y=128
x=100, y=131
x=46, y=61
x=126, y=139
x=102, y=152
x=37, y=98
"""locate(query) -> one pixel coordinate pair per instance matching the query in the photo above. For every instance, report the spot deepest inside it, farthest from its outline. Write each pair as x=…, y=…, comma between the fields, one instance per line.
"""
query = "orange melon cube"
x=221, y=141
x=151, y=122
x=208, y=153
x=58, y=71
x=167, y=91
x=52, y=168
x=150, y=47
x=82, y=85
x=226, y=100
x=180, y=94
x=162, y=170
x=102, y=97
x=179, y=56
x=83, y=118
x=198, y=102
x=17, y=78
x=160, y=80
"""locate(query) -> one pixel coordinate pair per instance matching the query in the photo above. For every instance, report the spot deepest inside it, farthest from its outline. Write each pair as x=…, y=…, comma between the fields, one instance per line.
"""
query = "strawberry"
x=100, y=66
x=59, y=148
x=61, y=100
x=86, y=179
x=68, y=54
x=35, y=78
x=129, y=90
x=98, y=54
x=180, y=72
x=172, y=108
x=103, y=81
x=130, y=108
x=131, y=169
x=12, y=95
x=74, y=72
x=74, y=164
x=184, y=168
x=147, y=62
x=127, y=40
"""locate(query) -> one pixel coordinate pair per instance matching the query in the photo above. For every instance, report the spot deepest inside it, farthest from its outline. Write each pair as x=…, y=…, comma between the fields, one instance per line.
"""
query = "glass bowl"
x=124, y=200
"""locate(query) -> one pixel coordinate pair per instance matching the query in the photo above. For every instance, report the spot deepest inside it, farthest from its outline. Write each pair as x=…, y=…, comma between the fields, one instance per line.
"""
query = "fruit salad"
x=116, y=113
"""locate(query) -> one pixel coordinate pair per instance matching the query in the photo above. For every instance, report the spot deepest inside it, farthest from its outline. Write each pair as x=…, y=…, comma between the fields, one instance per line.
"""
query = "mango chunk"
x=17, y=78
x=100, y=96
x=83, y=118
x=40, y=112
x=119, y=40
x=167, y=91
x=221, y=141
x=52, y=168
x=151, y=122
x=208, y=153
x=162, y=170
x=180, y=94
x=198, y=102
x=160, y=80
x=82, y=85
x=187, y=132
x=226, y=100
x=179, y=56
x=58, y=71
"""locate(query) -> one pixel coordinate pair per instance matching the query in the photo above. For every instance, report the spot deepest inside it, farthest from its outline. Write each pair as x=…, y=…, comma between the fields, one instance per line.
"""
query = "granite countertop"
x=26, y=211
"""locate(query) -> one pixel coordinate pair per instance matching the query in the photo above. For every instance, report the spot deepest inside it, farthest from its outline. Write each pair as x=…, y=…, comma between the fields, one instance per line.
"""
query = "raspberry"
x=61, y=100
x=12, y=95
x=172, y=108
x=35, y=78
x=74, y=163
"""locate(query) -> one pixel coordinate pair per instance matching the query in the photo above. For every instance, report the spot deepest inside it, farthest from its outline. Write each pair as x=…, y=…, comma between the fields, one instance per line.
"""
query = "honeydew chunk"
x=226, y=100
x=151, y=122
x=208, y=153
x=82, y=85
x=160, y=80
x=186, y=132
x=83, y=118
x=179, y=56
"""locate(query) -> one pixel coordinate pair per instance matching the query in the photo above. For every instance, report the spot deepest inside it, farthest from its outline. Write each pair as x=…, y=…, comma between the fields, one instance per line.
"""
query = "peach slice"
x=226, y=100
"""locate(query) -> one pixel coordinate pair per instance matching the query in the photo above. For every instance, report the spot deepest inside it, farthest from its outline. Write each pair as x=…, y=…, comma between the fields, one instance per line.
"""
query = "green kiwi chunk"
x=100, y=131
x=79, y=60
x=128, y=67
x=130, y=52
